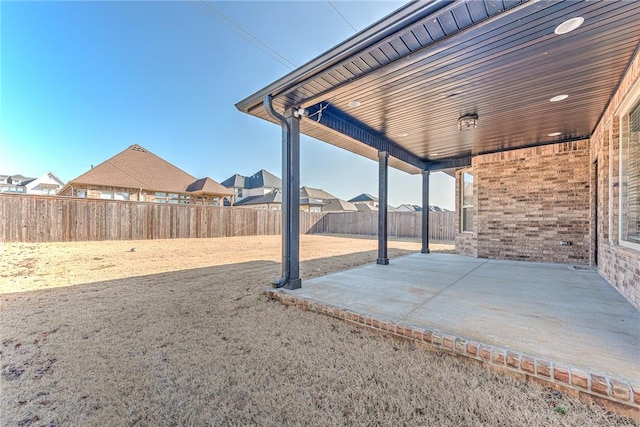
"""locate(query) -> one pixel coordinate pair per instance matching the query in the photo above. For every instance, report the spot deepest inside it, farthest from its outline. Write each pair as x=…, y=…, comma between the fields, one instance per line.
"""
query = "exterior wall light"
x=468, y=122
x=300, y=112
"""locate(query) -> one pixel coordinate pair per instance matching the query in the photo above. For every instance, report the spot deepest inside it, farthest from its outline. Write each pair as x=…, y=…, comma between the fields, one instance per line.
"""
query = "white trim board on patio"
x=544, y=310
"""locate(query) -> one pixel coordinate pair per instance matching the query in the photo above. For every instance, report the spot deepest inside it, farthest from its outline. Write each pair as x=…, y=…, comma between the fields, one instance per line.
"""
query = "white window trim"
x=462, y=207
x=631, y=100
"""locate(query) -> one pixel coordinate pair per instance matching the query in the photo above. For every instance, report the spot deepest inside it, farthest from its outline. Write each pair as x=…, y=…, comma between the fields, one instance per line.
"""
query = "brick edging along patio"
x=613, y=394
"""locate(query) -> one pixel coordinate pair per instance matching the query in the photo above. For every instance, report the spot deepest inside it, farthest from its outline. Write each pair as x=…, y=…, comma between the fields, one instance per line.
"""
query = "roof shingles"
x=139, y=168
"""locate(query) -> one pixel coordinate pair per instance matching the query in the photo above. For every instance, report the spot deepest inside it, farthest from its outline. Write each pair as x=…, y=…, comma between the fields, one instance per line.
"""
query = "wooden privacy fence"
x=399, y=224
x=26, y=218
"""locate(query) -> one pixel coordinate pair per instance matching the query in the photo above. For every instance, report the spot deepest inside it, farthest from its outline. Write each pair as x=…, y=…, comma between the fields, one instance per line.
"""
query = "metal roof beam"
x=334, y=118
x=456, y=162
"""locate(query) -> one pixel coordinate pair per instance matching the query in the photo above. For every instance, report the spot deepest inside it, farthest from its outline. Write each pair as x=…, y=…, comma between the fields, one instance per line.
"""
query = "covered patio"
x=534, y=107
x=562, y=324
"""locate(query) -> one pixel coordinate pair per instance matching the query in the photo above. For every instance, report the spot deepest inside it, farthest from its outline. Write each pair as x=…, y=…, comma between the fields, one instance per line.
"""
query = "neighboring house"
x=322, y=202
x=338, y=205
x=365, y=198
x=258, y=184
x=366, y=207
x=312, y=199
x=15, y=184
x=417, y=208
x=309, y=204
x=271, y=201
x=409, y=208
x=47, y=184
x=138, y=174
x=315, y=193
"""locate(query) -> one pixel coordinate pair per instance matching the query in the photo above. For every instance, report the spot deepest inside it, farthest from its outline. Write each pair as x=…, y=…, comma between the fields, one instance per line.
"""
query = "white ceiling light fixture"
x=569, y=25
x=403, y=134
x=555, y=134
x=559, y=98
x=468, y=122
x=354, y=104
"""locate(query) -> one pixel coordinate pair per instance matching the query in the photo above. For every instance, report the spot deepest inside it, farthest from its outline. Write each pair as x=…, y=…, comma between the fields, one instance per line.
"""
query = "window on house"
x=467, y=202
x=630, y=178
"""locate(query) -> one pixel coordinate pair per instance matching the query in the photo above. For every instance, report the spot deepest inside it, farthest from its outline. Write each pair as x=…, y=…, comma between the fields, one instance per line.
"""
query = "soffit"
x=499, y=60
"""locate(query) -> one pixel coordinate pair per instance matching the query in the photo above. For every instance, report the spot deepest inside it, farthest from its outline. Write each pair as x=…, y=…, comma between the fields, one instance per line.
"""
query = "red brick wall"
x=530, y=200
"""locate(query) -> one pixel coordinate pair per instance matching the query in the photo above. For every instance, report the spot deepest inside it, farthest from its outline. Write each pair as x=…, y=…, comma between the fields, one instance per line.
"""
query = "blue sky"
x=83, y=80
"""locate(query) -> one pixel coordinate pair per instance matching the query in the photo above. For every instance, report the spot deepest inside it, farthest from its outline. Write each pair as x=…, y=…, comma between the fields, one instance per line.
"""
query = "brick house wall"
x=527, y=201
x=619, y=265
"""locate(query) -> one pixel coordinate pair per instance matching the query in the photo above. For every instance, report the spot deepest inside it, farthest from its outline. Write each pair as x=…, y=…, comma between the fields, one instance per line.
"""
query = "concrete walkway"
x=543, y=310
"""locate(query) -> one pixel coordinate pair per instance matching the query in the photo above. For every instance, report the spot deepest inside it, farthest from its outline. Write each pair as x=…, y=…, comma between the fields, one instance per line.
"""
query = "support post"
x=383, y=162
x=291, y=202
x=425, y=212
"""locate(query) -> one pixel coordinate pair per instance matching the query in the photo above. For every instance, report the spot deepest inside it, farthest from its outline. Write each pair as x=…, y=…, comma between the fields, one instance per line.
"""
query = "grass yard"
x=176, y=332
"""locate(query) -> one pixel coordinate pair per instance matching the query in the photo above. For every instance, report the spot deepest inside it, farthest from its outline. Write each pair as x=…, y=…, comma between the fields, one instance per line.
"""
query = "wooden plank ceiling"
x=500, y=60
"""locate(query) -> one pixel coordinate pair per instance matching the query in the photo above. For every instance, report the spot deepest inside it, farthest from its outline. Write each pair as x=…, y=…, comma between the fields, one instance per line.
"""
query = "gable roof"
x=138, y=168
x=364, y=197
x=49, y=176
x=415, y=73
x=315, y=193
x=273, y=197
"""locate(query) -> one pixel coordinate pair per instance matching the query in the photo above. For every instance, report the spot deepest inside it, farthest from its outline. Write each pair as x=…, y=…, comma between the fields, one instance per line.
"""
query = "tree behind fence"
x=62, y=219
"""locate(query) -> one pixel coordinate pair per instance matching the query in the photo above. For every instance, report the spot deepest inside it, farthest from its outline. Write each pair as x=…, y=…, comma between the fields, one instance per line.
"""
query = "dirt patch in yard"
x=177, y=333
x=35, y=266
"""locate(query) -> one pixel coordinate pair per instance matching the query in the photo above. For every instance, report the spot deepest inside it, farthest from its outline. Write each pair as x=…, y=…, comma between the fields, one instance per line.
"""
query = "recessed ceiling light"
x=403, y=134
x=555, y=134
x=569, y=25
x=559, y=98
x=354, y=104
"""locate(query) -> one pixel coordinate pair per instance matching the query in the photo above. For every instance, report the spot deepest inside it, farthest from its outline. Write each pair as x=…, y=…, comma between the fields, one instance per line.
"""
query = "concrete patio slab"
x=570, y=317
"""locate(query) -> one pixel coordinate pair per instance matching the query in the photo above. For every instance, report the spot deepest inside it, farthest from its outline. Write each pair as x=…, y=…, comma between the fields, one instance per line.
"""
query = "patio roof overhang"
x=401, y=84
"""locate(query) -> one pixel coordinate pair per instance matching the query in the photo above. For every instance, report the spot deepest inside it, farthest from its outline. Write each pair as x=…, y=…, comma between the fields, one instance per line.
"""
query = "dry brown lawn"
x=176, y=333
